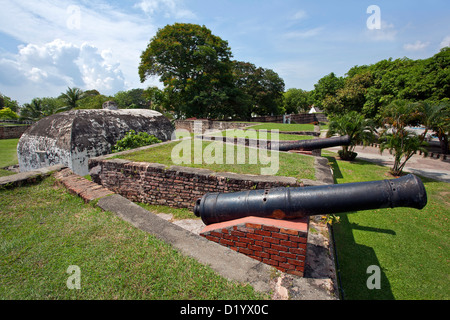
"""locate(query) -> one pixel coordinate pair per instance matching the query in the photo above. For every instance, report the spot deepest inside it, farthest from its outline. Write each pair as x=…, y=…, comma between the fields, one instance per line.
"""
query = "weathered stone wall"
x=204, y=125
x=72, y=137
x=174, y=186
x=12, y=132
x=300, y=118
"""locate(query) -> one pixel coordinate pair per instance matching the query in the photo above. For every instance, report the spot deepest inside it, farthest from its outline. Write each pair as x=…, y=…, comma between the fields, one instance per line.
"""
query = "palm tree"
x=357, y=127
x=401, y=143
x=436, y=117
x=71, y=97
x=32, y=111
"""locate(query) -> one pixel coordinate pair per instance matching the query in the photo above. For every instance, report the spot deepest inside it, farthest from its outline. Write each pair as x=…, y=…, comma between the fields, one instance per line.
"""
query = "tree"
x=8, y=114
x=92, y=101
x=32, y=111
x=40, y=108
x=132, y=99
x=351, y=97
x=262, y=89
x=7, y=102
x=354, y=125
x=296, y=100
x=326, y=86
x=155, y=98
x=402, y=144
x=436, y=117
x=194, y=66
x=71, y=98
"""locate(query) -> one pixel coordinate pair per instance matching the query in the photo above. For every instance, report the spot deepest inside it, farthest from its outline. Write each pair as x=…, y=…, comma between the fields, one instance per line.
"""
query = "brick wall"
x=209, y=125
x=279, y=243
x=174, y=186
x=12, y=132
x=295, y=118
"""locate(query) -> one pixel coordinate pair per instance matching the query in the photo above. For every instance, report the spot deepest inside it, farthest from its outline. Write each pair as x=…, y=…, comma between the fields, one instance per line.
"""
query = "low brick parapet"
x=80, y=186
x=279, y=243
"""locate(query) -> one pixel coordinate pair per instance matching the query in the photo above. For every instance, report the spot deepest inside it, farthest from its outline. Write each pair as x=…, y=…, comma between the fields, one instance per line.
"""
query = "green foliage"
x=369, y=88
x=134, y=140
x=326, y=86
x=297, y=100
x=194, y=66
x=131, y=99
x=201, y=81
x=261, y=89
x=357, y=127
x=8, y=114
x=7, y=102
x=401, y=143
x=436, y=117
x=71, y=98
x=92, y=101
x=40, y=108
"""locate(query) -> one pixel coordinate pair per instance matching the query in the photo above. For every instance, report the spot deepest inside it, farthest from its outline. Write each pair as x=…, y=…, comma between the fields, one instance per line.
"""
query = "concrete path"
x=428, y=167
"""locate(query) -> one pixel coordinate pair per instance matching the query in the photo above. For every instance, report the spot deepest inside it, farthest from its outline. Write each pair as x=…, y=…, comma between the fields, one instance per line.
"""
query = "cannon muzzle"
x=297, y=202
x=313, y=144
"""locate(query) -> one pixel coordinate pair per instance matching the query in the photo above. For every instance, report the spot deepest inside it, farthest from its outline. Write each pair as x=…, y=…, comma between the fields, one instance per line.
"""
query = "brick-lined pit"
x=279, y=243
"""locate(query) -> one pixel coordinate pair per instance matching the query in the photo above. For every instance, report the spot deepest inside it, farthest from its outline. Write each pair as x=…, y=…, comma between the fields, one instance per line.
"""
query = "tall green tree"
x=296, y=100
x=326, y=86
x=71, y=98
x=132, y=99
x=262, y=89
x=194, y=66
x=7, y=102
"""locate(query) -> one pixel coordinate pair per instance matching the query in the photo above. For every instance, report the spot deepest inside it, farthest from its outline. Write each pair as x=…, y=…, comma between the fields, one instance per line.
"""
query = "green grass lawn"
x=410, y=246
x=239, y=133
x=8, y=155
x=283, y=127
x=290, y=164
x=44, y=230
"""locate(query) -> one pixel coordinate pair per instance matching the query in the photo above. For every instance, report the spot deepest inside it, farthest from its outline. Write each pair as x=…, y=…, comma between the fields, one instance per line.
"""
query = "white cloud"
x=170, y=8
x=300, y=15
x=304, y=33
x=116, y=35
x=445, y=42
x=387, y=32
x=48, y=69
x=416, y=46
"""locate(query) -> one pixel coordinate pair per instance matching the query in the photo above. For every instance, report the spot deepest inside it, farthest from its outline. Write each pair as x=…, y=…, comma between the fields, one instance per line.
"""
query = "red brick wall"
x=177, y=187
x=12, y=132
x=279, y=243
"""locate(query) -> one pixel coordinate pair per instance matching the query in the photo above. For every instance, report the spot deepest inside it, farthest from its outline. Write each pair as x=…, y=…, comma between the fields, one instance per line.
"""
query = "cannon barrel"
x=297, y=202
x=313, y=144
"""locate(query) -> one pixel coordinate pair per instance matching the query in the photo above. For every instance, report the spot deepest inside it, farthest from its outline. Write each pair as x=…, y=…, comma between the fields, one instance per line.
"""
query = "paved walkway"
x=432, y=168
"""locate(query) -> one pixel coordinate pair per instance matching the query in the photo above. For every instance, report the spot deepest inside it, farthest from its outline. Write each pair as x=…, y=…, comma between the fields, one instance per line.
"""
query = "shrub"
x=134, y=140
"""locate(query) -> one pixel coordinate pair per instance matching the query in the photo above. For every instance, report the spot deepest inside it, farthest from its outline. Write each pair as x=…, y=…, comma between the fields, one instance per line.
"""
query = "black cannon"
x=308, y=145
x=297, y=202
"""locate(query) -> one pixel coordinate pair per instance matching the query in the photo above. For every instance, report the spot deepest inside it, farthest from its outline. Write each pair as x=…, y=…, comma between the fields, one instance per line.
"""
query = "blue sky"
x=47, y=46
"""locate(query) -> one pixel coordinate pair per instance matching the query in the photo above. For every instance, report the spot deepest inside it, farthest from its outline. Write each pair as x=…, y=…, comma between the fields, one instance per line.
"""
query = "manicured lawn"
x=284, y=127
x=256, y=134
x=44, y=230
x=410, y=246
x=289, y=164
x=8, y=154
